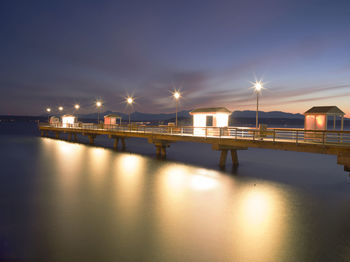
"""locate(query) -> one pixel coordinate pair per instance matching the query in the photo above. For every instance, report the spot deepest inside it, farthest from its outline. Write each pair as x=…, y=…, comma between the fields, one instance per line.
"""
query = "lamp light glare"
x=129, y=100
x=48, y=110
x=77, y=106
x=258, y=86
x=98, y=103
x=177, y=95
x=60, y=108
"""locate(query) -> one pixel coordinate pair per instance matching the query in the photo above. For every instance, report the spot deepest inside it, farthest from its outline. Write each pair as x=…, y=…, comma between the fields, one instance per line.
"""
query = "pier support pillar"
x=158, y=151
x=123, y=143
x=91, y=139
x=224, y=151
x=57, y=135
x=163, y=151
x=344, y=159
x=69, y=136
x=234, y=157
x=42, y=133
x=223, y=157
x=75, y=137
x=161, y=147
x=116, y=142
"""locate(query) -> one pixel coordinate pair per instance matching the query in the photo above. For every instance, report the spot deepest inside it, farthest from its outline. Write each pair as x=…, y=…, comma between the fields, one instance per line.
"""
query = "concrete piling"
x=224, y=151
x=163, y=152
x=116, y=142
x=123, y=143
x=91, y=139
x=234, y=157
x=223, y=157
x=160, y=147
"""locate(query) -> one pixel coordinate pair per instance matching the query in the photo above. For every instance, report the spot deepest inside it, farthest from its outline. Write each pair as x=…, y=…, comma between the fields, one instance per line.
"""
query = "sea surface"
x=62, y=201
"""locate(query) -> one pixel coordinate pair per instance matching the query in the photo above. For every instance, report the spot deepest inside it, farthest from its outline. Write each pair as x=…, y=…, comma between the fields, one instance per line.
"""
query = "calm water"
x=63, y=201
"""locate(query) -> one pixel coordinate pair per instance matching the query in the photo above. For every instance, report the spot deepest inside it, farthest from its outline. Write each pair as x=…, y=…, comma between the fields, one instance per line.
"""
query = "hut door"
x=209, y=121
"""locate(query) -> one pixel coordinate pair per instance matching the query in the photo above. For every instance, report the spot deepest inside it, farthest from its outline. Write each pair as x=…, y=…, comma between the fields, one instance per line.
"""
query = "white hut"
x=316, y=118
x=111, y=119
x=209, y=117
x=68, y=120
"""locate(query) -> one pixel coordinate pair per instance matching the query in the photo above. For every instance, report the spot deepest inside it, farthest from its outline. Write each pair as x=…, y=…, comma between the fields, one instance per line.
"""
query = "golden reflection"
x=66, y=160
x=129, y=178
x=260, y=225
x=69, y=157
x=99, y=162
x=192, y=200
x=130, y=164
x=199, y=182
x=179, y=177
x=257, y=208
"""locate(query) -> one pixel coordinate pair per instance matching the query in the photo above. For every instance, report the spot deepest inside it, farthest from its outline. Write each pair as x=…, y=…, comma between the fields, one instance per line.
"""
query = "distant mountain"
x=272, y=114
x=138, y=116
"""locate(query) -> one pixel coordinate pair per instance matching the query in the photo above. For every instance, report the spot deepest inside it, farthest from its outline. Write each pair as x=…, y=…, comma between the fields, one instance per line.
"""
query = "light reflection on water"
x=260, y=221
x=102, y=205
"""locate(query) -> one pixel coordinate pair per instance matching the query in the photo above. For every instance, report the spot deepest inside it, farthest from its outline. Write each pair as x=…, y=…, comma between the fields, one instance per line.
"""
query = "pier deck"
x=222, y=139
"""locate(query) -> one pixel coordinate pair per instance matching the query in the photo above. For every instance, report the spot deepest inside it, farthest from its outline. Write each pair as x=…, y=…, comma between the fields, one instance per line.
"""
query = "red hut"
x=316, y=118
x=111, y=119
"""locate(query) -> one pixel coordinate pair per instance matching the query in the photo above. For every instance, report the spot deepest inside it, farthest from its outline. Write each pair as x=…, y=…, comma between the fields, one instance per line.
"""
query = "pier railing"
x=292, y=135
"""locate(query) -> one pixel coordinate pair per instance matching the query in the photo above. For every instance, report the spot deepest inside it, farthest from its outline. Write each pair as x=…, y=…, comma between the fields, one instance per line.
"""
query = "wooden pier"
x=223, y=139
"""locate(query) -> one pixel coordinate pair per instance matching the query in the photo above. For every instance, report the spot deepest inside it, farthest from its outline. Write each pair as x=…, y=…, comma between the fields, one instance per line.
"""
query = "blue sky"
x=65, y=52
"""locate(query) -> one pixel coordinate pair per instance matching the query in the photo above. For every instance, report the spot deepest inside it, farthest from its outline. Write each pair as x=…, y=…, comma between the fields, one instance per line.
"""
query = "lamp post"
x=98, y=105
x=258, y=87
x=76, y=106
x=177, y=96
x=48, y=110
x=130, y=101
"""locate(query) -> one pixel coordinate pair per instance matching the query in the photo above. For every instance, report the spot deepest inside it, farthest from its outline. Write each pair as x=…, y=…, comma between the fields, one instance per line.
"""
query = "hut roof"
x=328, y=110
x=112, y=115
x=68, y=115
x=210, y=110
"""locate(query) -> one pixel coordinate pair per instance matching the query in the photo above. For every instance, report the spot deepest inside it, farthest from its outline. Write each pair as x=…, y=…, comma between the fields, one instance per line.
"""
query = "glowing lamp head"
x=77, y=106
x=98, y=103
x=177, y=95
x=258, y=86
x=129, y=100
x=60, y=108
x=48, y=110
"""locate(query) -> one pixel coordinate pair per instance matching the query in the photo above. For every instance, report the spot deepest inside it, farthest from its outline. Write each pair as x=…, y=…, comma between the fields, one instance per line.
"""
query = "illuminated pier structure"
x=223, y=139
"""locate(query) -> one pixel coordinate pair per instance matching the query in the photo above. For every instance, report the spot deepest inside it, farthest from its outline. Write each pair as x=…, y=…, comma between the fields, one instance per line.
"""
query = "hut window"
x=209, y=121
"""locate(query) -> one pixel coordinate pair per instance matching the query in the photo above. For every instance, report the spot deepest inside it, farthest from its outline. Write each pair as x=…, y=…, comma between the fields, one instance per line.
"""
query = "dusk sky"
x=64, y=52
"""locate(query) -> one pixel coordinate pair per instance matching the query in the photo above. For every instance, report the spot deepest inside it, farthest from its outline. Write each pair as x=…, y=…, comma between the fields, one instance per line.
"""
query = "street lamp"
x=130, y=101
x=60, y=108
x=258, y=86
x=48, y=110
x=177, y=96
x=77, y=106
x=98, y=104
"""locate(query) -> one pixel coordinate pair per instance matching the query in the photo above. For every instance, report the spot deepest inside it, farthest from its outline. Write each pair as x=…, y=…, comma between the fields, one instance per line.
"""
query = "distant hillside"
x=272, y=114
x=138, y=116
